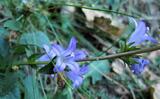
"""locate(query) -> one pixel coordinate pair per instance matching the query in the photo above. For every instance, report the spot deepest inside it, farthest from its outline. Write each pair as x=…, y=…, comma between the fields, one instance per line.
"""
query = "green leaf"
x=47, y=69
x=30, y=88
x=3, y=32
x=68, y=93
x=4, y=47
x=97, y=69
x=8, y=85
x=12, y=24
x=64, y=94
x=19, y=49
x=37, y=39
x=15, y=94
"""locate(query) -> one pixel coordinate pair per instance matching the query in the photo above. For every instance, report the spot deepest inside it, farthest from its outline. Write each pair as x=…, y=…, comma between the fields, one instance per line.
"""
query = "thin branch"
x=98, y=9
x=123, y=54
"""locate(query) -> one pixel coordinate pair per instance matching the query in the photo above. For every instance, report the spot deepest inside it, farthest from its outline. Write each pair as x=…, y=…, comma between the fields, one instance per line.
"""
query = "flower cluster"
x=139, y=36
x=66, y=61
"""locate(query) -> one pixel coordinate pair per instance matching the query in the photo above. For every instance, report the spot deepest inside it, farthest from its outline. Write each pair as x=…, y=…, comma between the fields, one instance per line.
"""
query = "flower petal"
x=46, y=48
x=140, y=35
x=151, y=39
x=139, y=66
x=84, y=69
x=77, y=82
x=137, y=69
x=73, y=66
x=137, y=36
x=71, y=47
x=80, y=54
x=142, y=61
x=57, y=49
x=76, y=79
x=49, y=52
x=60, y=65
x=44, y=57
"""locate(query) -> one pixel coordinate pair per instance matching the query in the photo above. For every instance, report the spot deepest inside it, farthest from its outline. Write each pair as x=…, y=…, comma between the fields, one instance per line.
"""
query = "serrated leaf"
x=97, y=69
x=37, y=39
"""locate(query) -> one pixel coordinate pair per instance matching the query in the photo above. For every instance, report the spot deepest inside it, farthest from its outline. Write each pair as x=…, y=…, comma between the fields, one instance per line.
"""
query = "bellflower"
x=49, y=54
x=138, y=67
x=140, y=34
x=66, y=60
x=76, y=77
x=68, y=57
x=65, y=57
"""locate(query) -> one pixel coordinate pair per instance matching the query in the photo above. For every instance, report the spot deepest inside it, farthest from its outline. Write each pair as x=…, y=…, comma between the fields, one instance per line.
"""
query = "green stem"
x=98, y=9
x=123, y=54
x=129, y=53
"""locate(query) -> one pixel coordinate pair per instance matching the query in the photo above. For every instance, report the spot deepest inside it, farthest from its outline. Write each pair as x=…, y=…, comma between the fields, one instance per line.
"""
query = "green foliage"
x=47, y=69
x=4, y=48
x=3, y=32
x=12, y=25
x=97, y=70
x=14, y=94
x=36, y=39
x=64, y=94
x=8, y=85
x=30, y=88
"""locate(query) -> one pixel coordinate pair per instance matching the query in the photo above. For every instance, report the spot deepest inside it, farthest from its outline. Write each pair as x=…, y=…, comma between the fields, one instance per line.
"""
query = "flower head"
x=138, y=67
x=66, y=60
x=49, y=54
x=68, y=57
x=76, y=77
x=140, y=34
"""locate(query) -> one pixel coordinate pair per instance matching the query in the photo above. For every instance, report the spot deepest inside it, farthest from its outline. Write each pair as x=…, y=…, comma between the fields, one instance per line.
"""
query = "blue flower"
x=64, y=57
x=68, y=57
x=66, y=61
x=140, y=34
x=138, y=67
x=77, y=77
x=49, y=54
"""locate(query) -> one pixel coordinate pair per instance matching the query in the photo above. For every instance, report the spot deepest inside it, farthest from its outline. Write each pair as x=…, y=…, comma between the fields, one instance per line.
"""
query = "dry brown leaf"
x=118, y=66
x=104, y=22
x=155, y=91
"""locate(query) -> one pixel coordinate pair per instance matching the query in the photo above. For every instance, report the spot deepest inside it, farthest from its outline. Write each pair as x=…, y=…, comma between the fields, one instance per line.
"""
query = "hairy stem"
x=118, y=55
x=129, y=53
x=98, y=9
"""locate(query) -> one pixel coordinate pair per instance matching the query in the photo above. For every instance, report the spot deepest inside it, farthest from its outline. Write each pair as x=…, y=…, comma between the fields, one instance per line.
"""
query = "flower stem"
x=98, y=9
x=123, y=54
x=118, y=55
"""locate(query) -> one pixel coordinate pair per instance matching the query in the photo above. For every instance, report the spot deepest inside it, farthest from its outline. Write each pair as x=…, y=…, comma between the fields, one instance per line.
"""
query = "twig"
x=123, y=54
x=98, y=9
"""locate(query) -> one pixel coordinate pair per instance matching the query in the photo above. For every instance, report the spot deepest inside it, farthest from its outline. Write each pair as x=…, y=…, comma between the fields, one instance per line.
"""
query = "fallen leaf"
x=105, y=22
x=118, y=66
